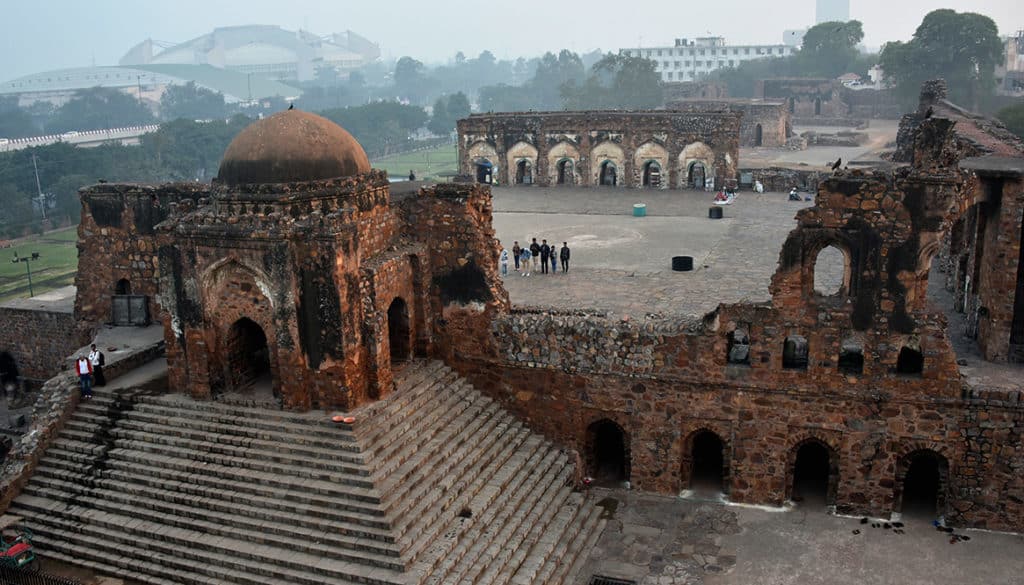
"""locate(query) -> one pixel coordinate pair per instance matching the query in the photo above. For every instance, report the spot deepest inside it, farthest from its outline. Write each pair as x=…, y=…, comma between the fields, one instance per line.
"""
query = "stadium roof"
x=235, y=86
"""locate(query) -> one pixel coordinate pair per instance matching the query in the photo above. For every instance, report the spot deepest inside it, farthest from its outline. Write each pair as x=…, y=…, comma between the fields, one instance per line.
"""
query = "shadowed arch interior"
x=608, y=452
x=248, y=355
x=399, y=330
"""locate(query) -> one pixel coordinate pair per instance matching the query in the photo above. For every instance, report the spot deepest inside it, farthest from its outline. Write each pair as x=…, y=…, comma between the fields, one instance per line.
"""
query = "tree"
x=409, y=79
x=192, y=102
x=14, y=121
x=552, y=74
x=964, y=48
x=1013, y=117
x=830, y=48
x=99, y=108
x=439, y=119
x=616, y=82
x=458, y=106
x=380, y=127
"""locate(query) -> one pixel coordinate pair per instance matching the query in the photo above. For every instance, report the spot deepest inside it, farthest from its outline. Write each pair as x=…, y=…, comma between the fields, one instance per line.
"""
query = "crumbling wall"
x=765, y=123
x=805, y=97
x=38, y=340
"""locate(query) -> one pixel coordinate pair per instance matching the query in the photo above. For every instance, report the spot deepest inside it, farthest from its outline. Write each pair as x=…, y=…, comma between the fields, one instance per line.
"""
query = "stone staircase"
x=436, y=484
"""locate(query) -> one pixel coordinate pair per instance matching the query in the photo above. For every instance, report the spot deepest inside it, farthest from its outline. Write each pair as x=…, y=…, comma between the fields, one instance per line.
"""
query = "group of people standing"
x=534, y=254
x=90, y=371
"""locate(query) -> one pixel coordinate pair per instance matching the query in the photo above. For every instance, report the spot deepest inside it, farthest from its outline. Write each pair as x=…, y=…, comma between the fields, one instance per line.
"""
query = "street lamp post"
x=28, y=269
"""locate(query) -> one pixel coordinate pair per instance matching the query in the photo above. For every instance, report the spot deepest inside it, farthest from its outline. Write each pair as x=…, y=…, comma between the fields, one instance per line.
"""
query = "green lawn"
x=426, y=163
x=56, y=266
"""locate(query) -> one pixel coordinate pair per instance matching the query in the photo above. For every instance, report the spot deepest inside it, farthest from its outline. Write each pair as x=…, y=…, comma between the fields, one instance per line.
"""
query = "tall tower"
x=832, y=11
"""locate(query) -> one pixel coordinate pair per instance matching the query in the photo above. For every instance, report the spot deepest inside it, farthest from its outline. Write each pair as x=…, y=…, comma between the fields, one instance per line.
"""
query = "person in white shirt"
x=98, y=361
x=84, y=369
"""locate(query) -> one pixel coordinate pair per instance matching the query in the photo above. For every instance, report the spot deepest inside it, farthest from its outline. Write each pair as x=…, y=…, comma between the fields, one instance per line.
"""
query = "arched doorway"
x=608, y=455
x=817, y=106
x=248, y=355
x=398, y=330
x=8, y=371
x=910, y=362
x=524, y=173
x=758, y=135
x=609, y=174
x=123, y=287
x=484, y=171
x=652, y=174
x=566, y=175
x=815, y=473
x=921, y=484
x=707, y=462
x=695, y=176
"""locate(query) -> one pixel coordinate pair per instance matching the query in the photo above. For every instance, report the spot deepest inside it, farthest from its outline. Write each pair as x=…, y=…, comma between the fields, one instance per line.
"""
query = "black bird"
x=291, y=106
x=837, y=164
x=929, y=113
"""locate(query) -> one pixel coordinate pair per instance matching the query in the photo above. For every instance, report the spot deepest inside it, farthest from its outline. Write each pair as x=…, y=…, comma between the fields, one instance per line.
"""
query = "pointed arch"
x=605, y=156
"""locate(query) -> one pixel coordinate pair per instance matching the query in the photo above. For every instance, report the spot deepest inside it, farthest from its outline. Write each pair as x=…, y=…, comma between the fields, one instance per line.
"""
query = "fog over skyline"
x=52, y=34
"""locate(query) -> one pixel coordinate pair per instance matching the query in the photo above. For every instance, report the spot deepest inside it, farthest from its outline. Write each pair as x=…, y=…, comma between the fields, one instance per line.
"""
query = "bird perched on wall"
x=291, y=106
x=929, y=113
x=837, y=164
x=101, y=180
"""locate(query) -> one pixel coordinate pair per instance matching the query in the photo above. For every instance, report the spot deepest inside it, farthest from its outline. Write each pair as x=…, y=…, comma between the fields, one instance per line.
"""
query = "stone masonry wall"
x=765, y=123
x=38, y=340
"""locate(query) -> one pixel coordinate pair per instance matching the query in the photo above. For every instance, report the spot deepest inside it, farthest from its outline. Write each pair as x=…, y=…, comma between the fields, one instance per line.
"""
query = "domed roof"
x=291, y=146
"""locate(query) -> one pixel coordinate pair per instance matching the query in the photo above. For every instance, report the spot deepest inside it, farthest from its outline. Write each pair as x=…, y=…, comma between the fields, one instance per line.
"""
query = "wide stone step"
x=498, y=560
x=568, y=567
x=519, y=495
x=546, y=537
x=550, y=557
x=191, y=564
x=316, y=542
x=198, y=429
x=273, y=514
x=375, y=420
x=115, y=565
x=135, y=467
x=440, y=453
x=423, y=410
x=206, y=452
x=467, y=490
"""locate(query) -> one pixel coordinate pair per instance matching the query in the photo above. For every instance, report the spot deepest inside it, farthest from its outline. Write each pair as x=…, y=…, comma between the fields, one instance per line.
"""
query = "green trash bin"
x=639, y=209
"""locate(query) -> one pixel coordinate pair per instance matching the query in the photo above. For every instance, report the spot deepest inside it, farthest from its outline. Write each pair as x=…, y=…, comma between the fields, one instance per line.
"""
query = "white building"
x=688, y=60
x=832, y=11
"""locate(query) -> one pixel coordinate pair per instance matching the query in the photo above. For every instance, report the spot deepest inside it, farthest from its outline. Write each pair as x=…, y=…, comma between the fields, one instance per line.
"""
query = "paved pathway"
x=622, y=264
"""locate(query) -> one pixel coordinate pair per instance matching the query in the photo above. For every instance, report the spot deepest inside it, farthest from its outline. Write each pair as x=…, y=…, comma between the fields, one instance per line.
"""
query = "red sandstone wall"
x=39, y=341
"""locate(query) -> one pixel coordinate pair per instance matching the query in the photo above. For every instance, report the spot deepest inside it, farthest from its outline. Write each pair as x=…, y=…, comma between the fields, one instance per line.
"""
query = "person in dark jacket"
x=564, y=255
x=516, y=253
x=545, y=255
x=534, y=253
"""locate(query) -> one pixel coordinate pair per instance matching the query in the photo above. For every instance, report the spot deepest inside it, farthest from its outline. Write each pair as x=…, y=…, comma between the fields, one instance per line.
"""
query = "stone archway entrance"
x=609, y=174
x=524, y=173
x=484, y=171
x=652, y=174
x=707, y=457
x=921, y=484
x=399, y=331
x=123, y=287
x=695, y=176
x=608, y=455
x=8, y=371
x=566, y=174
x=814, y=474
x=248, y=356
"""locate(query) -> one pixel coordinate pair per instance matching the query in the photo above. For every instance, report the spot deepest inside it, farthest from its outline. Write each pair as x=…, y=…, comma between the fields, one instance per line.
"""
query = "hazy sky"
x=37, y=35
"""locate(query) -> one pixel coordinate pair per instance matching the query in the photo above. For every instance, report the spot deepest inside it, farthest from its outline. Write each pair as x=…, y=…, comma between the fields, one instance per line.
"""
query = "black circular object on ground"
x=682, y=263
x=715, y=212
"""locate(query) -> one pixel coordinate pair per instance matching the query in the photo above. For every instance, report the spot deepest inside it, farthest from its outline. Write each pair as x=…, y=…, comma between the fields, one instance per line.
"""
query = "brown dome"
x=291, y=146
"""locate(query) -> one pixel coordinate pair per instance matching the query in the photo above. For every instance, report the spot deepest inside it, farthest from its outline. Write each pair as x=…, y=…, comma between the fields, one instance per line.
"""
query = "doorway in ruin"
x=652, y=174
x=484, y=171
x=123, y=287
x=815, y=472
x=707, y=462
x=524, y=173
x=248, y=356
x=817, y=106
x=8, y=372
x=1016, y=353
x=695, y=176
x=566, y=174
x=609, y=174
x=758, y=135
x=608, y=453
x=921, y=479
x=399, y=331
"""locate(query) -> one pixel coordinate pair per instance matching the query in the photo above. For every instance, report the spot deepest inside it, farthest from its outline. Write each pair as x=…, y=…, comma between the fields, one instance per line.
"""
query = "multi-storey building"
x=689, y=59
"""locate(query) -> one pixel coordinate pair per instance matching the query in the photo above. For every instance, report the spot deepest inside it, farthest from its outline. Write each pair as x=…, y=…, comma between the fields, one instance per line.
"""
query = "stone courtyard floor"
x=662, y=540
x=622, y=264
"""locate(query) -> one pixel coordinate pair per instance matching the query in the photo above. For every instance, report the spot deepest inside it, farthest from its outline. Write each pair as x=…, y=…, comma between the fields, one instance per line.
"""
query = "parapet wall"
x=38, y=339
